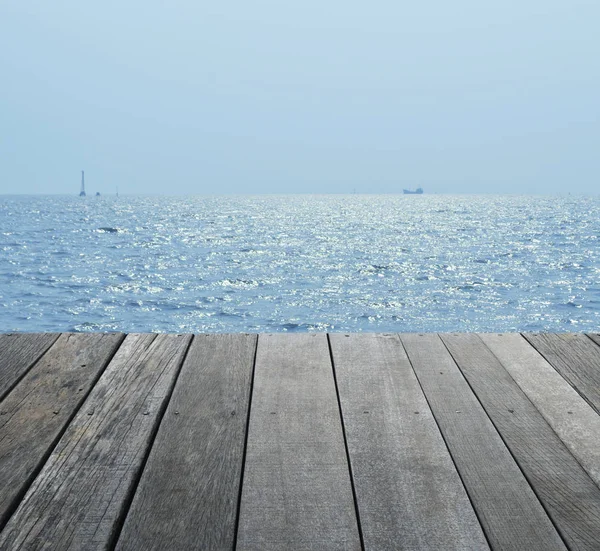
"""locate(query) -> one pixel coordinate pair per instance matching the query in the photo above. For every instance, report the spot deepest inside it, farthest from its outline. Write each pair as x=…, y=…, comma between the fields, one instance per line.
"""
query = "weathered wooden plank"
x=188, y=495
x=297, y=491
x=567, y=492
x=570, y=416
x=79, y=498
x=508, y=510
x=35, y=413
x=18, y=352
x=408, y=491
x=595, y=337
x=575, y=357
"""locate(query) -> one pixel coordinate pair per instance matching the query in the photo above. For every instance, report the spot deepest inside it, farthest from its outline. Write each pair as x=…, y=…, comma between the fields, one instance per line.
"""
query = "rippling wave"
x=300, y=263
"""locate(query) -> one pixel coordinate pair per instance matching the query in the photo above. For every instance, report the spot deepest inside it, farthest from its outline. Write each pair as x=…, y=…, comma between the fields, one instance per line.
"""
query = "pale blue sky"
x=274, y=97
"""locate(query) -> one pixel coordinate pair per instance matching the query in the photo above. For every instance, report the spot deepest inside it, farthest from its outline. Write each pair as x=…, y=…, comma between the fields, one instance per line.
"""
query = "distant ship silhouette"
x=418, y=191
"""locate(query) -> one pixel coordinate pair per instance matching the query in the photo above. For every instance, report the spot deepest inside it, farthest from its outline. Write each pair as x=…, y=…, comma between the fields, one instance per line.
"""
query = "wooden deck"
x=308, y=442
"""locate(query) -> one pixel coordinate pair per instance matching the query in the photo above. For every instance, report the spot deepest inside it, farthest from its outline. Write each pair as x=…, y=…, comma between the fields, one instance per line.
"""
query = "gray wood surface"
x=80, y=496
x=18, y=352
x=569, y=415
x=409, y=493
x=297, y=491
x=575, y=357
x=507, y=508
x=35, y=413
x=567, y=492
x=595, y=337
x=188, y=495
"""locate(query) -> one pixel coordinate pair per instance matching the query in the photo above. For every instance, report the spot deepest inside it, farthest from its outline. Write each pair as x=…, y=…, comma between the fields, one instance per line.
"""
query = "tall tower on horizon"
x=82, y=192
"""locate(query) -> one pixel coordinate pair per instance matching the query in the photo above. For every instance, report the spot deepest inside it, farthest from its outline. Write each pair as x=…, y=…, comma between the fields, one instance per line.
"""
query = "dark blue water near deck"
x=300, y=263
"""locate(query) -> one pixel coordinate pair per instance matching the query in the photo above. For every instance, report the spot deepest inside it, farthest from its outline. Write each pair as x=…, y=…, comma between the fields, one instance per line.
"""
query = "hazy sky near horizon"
x=276, y=97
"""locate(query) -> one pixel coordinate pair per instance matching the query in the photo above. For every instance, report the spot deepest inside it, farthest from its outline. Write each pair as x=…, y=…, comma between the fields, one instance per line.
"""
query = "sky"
x=264, y=96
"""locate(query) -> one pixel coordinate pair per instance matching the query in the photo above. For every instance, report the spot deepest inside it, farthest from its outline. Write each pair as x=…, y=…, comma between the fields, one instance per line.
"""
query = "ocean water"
x=300, y=263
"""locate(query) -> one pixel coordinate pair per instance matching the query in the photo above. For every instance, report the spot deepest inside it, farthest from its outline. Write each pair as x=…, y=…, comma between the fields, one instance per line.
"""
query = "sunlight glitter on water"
x=300, y=263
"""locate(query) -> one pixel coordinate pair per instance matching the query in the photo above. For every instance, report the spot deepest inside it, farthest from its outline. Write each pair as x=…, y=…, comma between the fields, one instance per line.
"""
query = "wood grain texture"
x=567, y=492
x=297, y=492
x=409, y=493
x=18, y=353
x=35, y=413
x=595, y=337
x=575, y=357
x=188, y=495
x=79, y=497
x=507, y=508
x=569, y=415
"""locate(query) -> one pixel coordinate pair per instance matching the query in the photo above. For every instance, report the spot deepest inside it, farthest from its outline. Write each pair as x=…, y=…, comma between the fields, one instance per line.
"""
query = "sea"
x=300, y=263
